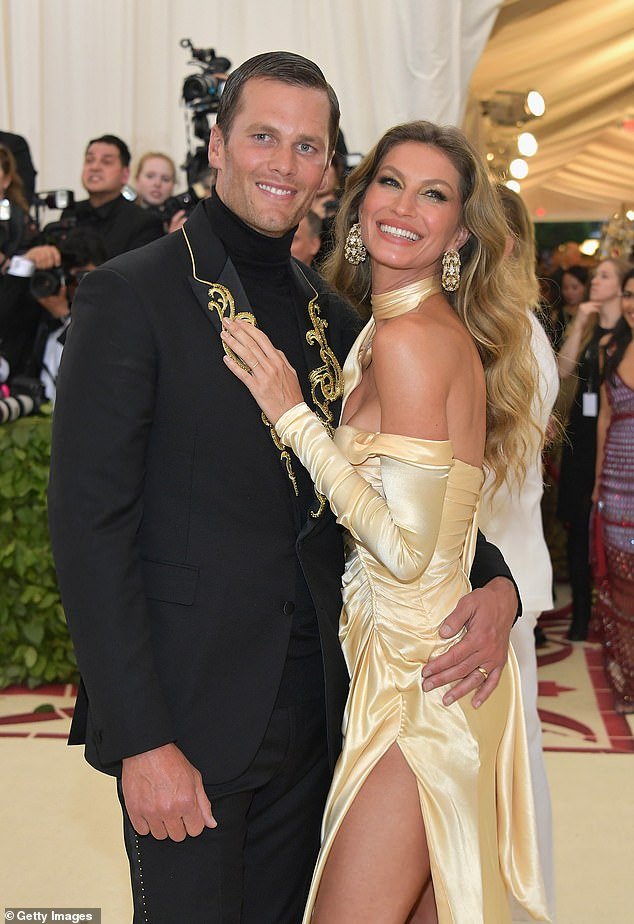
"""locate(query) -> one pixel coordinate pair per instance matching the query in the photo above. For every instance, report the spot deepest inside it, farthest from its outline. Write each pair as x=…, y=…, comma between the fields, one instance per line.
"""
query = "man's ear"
x=125, y=175
x=216, y=146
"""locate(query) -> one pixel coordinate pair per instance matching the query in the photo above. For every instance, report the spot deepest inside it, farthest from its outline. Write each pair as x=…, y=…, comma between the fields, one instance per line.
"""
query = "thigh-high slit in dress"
x=409, y=511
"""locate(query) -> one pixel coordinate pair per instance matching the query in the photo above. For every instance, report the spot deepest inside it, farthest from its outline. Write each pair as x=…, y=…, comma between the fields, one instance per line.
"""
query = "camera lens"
x=194, y=87
x=45, y=283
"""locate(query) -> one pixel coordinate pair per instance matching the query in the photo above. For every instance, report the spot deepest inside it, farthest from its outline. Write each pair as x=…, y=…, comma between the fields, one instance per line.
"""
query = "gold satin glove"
x=401, y=529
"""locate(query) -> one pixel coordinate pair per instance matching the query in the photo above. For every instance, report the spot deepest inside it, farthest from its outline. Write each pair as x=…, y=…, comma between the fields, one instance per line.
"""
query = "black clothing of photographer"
x=30, y=326
x=120, y=224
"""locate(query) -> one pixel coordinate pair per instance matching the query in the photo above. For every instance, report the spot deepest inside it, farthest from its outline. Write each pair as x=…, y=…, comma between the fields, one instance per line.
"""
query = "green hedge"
x=35, y=647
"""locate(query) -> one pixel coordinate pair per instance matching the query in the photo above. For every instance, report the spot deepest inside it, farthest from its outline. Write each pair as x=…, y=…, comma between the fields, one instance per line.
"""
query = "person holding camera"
x=118, y=222
x=36, y=298
x=154, y=181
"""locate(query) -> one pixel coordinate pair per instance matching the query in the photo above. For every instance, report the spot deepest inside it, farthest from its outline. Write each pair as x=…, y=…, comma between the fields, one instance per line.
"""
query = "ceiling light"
x=630, y=214
x=509, y=107
x=518, y=168
x=514, y=185
x=535, y=103
x=527, y=144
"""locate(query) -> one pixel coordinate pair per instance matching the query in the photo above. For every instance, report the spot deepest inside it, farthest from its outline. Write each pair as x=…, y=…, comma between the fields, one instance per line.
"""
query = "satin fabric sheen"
x=409, y=510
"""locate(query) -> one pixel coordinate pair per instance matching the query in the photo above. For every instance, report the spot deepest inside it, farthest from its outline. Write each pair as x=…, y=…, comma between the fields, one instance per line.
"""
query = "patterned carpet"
x=576, y=705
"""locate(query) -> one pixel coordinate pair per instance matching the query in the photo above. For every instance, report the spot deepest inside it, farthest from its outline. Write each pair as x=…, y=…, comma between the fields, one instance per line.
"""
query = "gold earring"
x=450, y=270
x=355, y=251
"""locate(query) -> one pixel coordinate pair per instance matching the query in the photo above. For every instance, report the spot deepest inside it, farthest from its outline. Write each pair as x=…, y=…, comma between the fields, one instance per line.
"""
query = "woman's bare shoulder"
x=416, y=359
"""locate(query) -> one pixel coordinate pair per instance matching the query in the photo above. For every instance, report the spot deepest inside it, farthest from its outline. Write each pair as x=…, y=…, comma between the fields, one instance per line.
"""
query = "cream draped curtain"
x=74, y=69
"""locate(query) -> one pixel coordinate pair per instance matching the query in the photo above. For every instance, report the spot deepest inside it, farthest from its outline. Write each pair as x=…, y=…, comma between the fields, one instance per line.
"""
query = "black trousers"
x=255, y=867
x=579, y=571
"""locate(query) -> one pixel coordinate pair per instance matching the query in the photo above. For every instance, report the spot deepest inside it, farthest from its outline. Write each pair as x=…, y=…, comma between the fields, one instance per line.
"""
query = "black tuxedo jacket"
x=171, y=515
x=164, y=487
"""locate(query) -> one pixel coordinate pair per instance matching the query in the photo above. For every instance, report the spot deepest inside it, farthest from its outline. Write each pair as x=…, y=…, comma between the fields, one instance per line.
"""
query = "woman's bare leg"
x=425, y=909
x=379, y=863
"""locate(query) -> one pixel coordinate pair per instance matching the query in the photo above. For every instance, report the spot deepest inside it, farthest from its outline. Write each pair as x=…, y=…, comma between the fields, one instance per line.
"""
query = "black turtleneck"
x=264, y=266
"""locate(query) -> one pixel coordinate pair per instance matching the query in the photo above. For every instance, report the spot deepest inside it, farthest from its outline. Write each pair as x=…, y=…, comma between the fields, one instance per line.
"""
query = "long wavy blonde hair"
x=487, y=299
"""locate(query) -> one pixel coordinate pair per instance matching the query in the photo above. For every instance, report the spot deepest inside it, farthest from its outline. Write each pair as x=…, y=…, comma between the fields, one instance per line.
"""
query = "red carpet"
x=576, y=705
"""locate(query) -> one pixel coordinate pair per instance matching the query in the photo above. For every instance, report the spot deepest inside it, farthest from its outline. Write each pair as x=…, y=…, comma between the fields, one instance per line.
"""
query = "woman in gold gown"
x=429, y=816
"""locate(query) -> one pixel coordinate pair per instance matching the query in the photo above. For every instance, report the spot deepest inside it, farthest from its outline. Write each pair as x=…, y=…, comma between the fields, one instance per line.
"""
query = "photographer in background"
x=154, y=184
x=14, y=218
x=120, y=224
x=36, y=295
x=20, y=149
x=154, y=180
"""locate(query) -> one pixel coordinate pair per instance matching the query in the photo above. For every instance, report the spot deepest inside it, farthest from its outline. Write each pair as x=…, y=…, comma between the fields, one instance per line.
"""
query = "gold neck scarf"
x=400, y=301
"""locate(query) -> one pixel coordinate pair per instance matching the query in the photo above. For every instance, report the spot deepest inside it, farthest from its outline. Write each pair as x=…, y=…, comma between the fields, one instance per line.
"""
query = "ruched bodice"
x=409, y=511
x=444, y=580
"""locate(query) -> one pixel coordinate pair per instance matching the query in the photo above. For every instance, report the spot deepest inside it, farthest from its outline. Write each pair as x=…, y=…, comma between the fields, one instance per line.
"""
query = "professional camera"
x=52, y=199
x=202, y=91
x=201, y=94
x=186, y=201
x=49, y=282
x=27, y=396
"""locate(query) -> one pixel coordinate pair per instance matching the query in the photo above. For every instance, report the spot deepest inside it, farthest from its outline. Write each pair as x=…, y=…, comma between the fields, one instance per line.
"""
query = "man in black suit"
x=199, y=571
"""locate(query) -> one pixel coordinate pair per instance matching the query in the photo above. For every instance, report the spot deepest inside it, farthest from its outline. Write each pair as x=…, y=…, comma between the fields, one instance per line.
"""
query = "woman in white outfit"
x=511, y=518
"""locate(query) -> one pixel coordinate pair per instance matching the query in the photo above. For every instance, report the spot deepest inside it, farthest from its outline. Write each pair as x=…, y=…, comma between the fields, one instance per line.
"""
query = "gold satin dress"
x=409, y=512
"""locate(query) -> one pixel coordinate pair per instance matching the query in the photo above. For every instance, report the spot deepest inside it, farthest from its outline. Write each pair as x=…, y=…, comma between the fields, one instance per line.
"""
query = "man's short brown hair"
x=285, y=67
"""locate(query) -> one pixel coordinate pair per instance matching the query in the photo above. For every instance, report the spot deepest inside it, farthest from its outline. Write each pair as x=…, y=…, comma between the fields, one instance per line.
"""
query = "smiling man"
x=200, y=571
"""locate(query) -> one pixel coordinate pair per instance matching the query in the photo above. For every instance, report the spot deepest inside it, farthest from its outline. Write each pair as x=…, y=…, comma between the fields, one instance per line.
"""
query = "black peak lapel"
x=213, y=280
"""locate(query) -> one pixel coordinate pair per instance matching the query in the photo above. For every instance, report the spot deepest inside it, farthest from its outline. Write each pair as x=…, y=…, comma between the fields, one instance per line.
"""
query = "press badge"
x=590, y=404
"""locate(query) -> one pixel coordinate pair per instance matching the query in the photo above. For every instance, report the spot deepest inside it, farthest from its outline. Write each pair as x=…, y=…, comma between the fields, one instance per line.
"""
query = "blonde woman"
x=429, y=805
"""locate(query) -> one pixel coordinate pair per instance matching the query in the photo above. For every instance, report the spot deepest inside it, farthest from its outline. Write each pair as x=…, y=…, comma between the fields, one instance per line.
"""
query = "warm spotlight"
x=514, y=185
x=527, y=144
x=535, y=103
x=518, y=168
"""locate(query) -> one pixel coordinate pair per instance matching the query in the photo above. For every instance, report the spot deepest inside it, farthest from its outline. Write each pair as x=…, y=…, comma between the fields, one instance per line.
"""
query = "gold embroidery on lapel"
x=221, y=300
x=285, y=455
x=327, y=379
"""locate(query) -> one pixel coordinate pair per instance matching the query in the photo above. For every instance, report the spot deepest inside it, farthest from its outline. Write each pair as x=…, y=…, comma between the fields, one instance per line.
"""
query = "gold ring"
x=484, y=672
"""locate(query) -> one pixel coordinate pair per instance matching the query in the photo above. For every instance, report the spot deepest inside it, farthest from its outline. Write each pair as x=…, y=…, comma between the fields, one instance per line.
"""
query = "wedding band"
x=484, y=672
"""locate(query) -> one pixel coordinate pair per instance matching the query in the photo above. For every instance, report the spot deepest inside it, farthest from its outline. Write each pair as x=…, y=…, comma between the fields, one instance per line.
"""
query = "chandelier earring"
x=355, y=251
x=450, y=270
